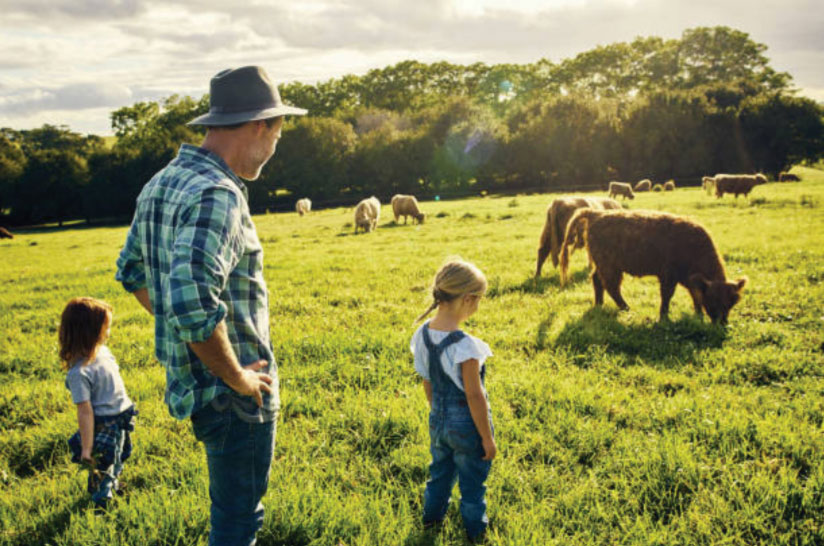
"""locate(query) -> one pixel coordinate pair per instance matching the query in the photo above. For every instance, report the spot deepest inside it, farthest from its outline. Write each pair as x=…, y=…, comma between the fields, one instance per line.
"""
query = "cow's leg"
x=543, y=252
x=612, y=283
x=697, y=300
x=598, y=287
x=667, y=290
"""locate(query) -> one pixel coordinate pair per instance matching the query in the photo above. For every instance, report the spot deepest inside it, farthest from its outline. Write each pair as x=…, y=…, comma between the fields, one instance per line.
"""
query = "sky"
x=73, y=62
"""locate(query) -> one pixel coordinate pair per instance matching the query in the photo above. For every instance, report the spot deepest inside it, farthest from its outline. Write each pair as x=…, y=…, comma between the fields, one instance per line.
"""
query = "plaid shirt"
x=107, y=434
x=192, y=243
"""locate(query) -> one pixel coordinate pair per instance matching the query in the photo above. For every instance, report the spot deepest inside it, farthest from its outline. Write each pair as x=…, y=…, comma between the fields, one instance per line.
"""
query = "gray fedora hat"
x=243, y=94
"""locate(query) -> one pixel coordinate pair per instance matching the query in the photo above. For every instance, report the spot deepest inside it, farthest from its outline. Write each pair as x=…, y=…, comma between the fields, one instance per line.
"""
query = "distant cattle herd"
x=673, y=248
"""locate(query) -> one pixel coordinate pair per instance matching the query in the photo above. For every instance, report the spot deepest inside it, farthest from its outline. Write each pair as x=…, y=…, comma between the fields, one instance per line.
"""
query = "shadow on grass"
x=536, y=286
x=669, y=341
x=50, y=527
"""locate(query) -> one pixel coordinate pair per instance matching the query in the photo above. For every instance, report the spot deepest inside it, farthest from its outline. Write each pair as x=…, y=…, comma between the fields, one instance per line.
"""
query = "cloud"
x=43, y=10
x=79, y=96
x=55, y=55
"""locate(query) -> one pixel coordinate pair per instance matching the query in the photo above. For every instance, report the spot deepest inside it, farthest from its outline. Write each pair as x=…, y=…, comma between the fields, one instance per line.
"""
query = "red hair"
x=81, y=329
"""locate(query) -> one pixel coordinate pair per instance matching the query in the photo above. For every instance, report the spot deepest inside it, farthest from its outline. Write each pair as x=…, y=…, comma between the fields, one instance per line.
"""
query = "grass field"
x=611, y=427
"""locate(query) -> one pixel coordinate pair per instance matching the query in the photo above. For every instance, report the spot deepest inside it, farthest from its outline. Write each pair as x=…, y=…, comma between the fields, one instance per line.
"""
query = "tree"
x=781, y=130
x=312, y=159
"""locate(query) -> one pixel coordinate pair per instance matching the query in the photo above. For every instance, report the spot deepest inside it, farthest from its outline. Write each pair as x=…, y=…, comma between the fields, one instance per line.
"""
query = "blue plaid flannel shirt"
x=192, y=243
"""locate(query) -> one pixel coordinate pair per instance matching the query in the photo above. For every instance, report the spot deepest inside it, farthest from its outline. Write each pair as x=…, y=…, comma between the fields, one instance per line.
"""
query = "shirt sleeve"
x=80, y=386
x=421, y=355
x=130, y=269
x=471, y=347
x=207, y=247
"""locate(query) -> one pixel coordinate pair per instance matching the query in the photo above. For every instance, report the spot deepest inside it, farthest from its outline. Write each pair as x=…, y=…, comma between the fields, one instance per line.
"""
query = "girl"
x=105, y=414
x=451, y=363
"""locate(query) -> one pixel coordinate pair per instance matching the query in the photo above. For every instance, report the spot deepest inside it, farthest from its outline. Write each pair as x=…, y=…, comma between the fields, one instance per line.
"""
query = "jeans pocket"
x=464, y=437
x=211, y=427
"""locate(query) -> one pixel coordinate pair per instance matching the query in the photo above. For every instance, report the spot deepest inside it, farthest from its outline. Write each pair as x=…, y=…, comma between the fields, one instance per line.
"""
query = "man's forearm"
x=217, y=354
x=142, y=296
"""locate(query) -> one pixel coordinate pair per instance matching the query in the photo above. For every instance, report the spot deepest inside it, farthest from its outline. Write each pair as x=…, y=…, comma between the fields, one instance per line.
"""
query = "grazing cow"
x=675, y=249
x=406, y=205
x=708, y=184
x=5, y=234
x=788, y=177
x=557, y=217
x=367, y=214
x=620, y=188
x=669, y=185
x=658, y=187
x=643, y=185
x=303, y=206
x=737, y=183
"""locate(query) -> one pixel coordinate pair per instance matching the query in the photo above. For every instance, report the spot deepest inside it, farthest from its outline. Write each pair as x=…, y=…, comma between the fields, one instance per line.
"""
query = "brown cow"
x=669, y=185
x=557, y=217
x=5, y=234
x=788, y=177
x=643, y=185
x=673, y=248
x=737, y=183
x=406, y=205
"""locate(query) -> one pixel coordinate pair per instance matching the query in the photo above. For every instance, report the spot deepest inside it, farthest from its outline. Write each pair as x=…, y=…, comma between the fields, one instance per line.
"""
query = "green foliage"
x=652, y=108
x=612, y=427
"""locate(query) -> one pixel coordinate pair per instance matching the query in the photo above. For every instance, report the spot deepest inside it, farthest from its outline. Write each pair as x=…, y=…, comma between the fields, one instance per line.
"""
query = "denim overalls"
x=455, y=445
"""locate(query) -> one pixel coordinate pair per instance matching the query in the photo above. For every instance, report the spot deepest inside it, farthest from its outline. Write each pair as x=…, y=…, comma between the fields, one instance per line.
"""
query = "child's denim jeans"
x=457, y=453
x=239, y=455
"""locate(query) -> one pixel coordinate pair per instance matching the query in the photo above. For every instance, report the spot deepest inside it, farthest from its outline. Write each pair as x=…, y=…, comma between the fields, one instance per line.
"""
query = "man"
x=193, y=259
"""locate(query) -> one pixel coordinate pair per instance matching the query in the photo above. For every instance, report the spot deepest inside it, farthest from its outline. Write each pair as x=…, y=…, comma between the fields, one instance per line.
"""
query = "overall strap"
x=442, y=385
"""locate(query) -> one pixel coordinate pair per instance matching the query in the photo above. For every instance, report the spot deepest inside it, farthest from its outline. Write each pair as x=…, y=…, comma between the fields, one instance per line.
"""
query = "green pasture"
x=612, y=428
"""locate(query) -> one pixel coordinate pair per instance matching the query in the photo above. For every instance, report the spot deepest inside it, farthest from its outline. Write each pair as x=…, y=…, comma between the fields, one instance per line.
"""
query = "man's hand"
x=250, y=382
x=490, y=449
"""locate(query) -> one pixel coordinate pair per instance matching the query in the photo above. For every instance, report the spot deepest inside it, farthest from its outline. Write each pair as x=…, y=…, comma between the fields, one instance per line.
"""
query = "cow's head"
x=718, y=297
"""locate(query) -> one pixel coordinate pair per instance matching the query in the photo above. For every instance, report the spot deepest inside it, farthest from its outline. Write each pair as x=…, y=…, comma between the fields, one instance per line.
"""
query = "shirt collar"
x=190, y=151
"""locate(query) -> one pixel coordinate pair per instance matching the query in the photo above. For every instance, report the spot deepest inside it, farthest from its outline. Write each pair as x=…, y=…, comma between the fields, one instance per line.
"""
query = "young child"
x=105, y=414
x=451, y=363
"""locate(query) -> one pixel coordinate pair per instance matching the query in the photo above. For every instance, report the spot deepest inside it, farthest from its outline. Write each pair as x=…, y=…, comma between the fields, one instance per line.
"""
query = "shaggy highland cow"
x=367, y=214
x=708, y=184
x=643, y=185
x=406, y=205
x=303, y=206
x=673, y=248
x=557, y=217
x=5, y=234
x=788, y=177
x=669, y=185
x=737, y=183
x=620, y=188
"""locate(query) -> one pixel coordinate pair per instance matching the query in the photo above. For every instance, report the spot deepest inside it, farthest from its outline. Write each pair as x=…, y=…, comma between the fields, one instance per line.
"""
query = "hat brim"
x=217, y=119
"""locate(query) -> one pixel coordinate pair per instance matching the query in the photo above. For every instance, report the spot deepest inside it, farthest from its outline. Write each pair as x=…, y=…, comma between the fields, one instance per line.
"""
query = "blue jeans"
x=239, y=455
x=457, y=451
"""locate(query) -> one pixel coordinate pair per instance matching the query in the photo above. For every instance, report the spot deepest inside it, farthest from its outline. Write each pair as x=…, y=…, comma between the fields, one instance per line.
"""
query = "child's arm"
x=427, y=387
x=85, y=422
x=471, y=372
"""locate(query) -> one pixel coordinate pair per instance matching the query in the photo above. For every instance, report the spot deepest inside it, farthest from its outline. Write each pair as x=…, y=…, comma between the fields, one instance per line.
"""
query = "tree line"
x=652, y=108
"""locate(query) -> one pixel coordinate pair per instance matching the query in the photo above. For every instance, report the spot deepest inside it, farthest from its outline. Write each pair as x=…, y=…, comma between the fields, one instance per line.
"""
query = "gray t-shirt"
x=100, y=383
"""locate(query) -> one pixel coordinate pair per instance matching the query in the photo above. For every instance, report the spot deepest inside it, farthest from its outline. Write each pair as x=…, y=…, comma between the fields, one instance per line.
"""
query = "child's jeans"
x=239, y=455
x=457, y=452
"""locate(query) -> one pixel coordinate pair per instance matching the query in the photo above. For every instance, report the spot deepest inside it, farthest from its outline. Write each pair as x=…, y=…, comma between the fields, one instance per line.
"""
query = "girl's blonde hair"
x=81, y=329
x=455, y=279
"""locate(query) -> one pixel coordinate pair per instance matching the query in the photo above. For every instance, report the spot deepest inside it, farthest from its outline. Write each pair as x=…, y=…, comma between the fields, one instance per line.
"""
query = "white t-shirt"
x=451, y=359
